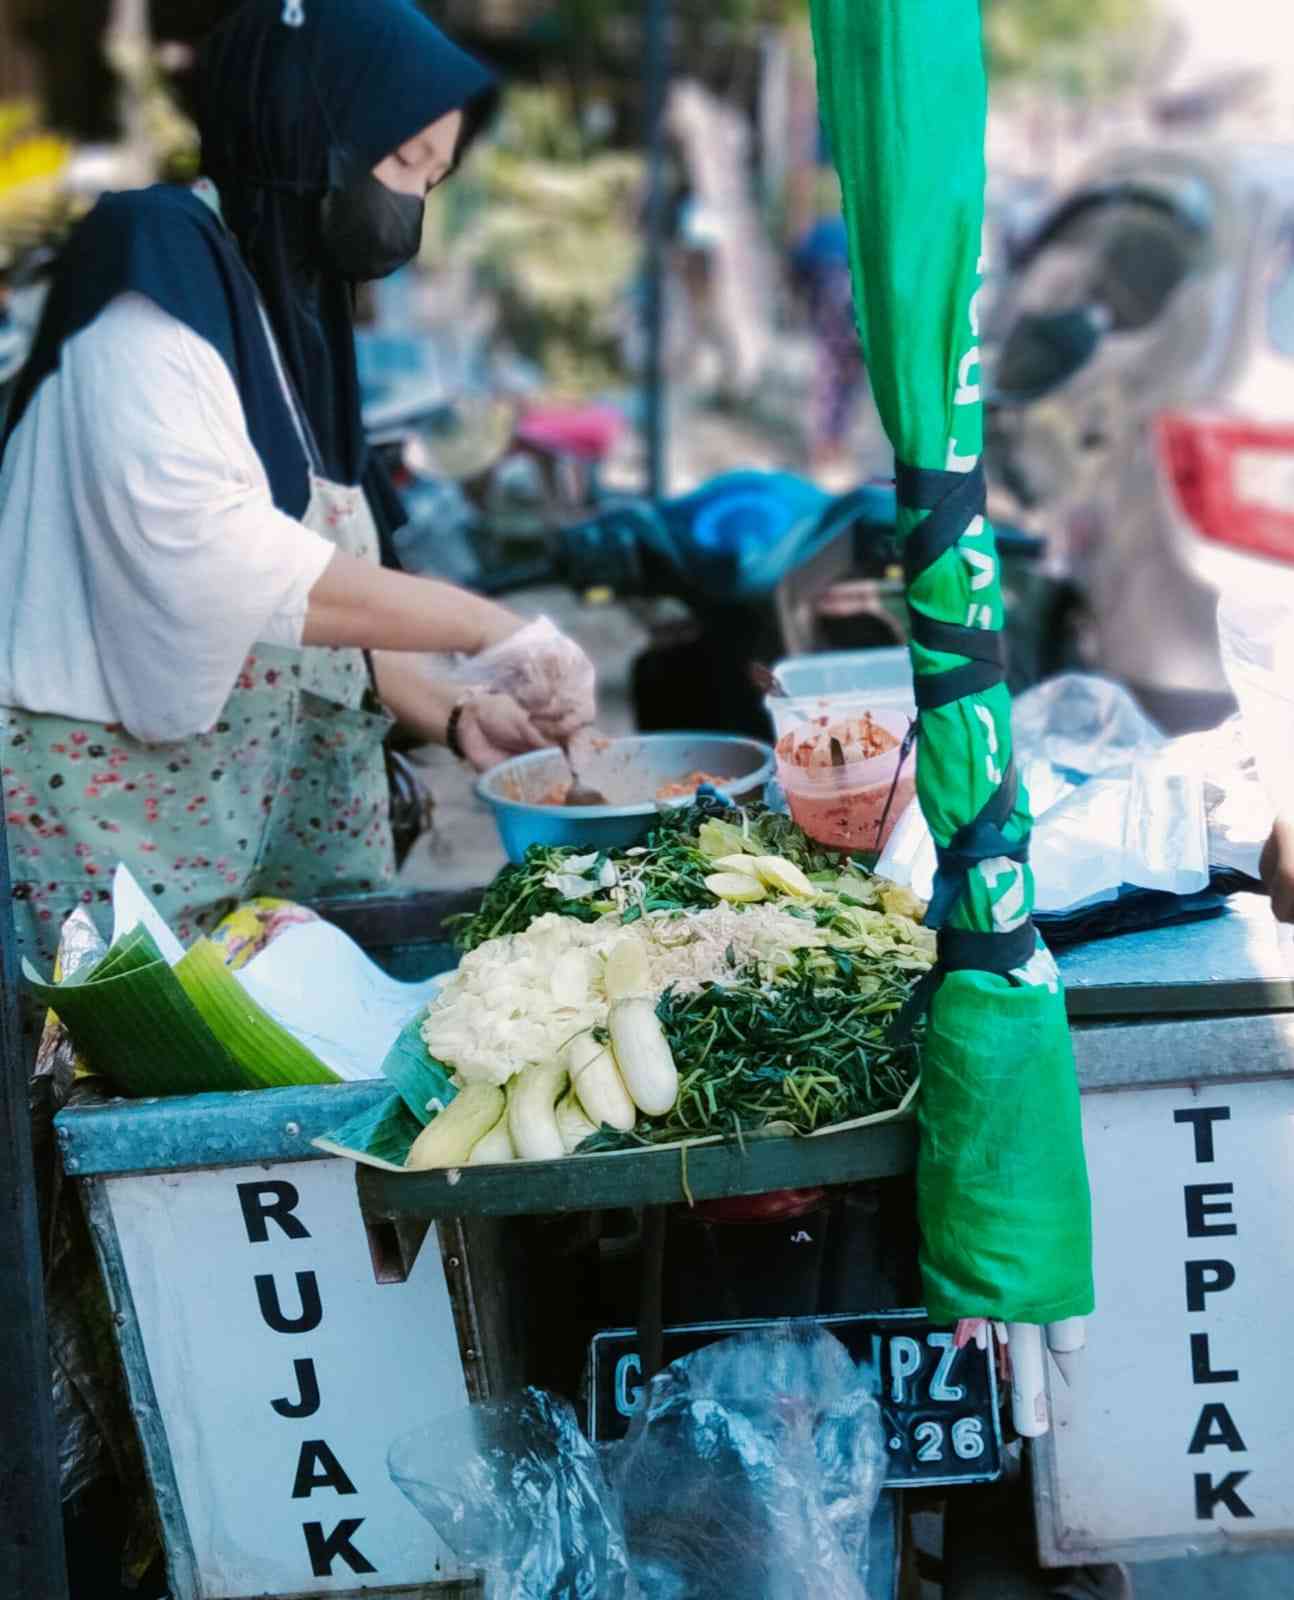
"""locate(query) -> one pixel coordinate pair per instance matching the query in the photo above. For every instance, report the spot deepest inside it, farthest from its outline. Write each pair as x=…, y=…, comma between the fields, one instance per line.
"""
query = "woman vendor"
x=200, y=653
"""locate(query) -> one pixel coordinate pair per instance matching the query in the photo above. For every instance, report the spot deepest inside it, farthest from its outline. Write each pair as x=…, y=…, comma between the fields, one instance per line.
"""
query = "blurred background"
x=588, y=324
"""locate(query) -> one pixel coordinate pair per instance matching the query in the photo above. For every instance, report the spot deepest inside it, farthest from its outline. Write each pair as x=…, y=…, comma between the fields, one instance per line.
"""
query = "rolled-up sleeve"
x=187, y=561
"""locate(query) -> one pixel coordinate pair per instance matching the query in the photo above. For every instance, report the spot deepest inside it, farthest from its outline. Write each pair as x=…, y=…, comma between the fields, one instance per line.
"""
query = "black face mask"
x=369, y=231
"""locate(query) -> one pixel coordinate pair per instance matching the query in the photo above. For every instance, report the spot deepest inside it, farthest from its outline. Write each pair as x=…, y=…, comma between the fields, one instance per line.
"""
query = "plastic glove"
x=493, y=727
x=545, y=672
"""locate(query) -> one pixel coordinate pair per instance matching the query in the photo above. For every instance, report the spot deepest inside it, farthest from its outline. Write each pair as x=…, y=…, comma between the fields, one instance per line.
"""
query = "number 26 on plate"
x=967, y=1439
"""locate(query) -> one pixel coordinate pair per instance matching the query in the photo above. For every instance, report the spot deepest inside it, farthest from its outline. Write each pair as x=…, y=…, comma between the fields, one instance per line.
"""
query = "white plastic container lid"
x=840, y=682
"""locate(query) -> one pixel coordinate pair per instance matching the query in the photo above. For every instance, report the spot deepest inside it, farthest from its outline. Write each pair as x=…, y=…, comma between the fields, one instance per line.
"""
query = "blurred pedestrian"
x=821, y=266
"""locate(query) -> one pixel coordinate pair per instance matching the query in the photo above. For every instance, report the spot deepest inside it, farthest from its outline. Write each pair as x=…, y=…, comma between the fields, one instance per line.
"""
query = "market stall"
x=1182, y=1040
x=276, y=1338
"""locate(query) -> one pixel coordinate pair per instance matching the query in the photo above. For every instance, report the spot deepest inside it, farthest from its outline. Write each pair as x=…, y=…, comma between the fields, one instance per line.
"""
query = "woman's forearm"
x=419, y=701
x=358, y=604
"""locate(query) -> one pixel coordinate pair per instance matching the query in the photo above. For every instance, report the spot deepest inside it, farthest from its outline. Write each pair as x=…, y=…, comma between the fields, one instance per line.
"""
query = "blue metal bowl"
x=629, y=772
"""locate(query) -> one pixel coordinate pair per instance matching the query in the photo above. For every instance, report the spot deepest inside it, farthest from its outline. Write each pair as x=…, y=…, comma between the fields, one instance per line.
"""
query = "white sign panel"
x=1178, y=1430
x=283, y=1373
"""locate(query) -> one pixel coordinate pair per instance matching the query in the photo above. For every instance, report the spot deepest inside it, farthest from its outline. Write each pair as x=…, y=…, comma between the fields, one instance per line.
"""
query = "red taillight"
x=1234, y=480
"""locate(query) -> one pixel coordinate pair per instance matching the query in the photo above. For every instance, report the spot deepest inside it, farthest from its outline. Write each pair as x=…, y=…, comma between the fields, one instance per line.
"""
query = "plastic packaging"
x=1116, y=804
x=752, y=1470
x=1083, y=724
x=1257, y=641
x=515, y=1489
x=544, y=671
x=853, y=806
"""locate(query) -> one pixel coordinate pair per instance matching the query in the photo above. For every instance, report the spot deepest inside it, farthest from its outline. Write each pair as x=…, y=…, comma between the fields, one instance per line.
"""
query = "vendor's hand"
x=492, y=727
x=1276, y=868
x=546, y=673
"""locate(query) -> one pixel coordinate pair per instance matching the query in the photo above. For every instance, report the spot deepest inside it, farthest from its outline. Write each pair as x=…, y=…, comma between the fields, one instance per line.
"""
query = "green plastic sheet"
x=1002, y=1183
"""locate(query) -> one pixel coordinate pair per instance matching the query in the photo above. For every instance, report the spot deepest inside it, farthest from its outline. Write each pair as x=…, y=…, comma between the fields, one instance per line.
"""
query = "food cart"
x=1169, y=1441
x=1146, y=1010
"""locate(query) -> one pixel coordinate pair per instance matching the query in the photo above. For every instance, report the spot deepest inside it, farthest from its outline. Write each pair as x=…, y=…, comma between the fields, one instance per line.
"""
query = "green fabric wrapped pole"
x=1002, y=1183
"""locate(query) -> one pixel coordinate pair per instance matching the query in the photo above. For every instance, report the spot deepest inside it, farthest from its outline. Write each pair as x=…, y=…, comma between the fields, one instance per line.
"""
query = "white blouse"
x=141, y=554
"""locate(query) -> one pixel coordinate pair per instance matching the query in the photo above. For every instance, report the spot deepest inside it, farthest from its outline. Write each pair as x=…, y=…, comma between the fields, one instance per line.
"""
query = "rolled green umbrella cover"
x=1002, y=1184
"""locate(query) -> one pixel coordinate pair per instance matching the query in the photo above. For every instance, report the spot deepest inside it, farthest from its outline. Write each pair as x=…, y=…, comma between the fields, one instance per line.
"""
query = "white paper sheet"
x=313, y=980
x=323, y=989
x=132, y=908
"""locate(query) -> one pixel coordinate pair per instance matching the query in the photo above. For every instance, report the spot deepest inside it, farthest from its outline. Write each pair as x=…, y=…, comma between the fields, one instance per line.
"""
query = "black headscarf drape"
x=280, y=109
x=281, y=106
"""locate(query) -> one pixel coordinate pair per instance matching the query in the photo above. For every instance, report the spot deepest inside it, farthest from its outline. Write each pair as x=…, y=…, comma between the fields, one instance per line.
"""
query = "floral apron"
x=287, y=795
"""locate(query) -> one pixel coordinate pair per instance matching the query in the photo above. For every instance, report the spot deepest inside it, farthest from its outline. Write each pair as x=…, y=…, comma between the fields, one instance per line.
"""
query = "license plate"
x=939, y=1404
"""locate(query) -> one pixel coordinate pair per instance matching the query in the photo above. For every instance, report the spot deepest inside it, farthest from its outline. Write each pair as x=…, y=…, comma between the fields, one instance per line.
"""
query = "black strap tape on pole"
x=954, y=500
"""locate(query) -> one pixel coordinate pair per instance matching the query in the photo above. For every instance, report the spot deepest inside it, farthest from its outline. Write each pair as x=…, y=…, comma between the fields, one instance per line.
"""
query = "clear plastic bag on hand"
x=753, y=1469
x=544, y=670
x=515, y=1489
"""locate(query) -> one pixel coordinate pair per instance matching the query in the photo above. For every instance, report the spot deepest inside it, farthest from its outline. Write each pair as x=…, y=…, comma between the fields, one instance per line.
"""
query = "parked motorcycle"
x=766, y=565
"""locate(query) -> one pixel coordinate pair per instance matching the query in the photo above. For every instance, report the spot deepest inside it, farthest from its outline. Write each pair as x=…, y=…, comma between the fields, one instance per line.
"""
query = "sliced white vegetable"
x=643, y=1056
x=571, y=885
x=495, y=1147
x=572, y=1124
x=532, y=1103
x=735, y=886
x=627, y=971
x=450, y=1136
x=572, y=978
x=784, y=876
x=742, y=864
x=598, y=1085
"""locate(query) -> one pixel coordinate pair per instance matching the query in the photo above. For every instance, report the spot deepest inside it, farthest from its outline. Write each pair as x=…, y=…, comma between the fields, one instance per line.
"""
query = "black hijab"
x=281, y=108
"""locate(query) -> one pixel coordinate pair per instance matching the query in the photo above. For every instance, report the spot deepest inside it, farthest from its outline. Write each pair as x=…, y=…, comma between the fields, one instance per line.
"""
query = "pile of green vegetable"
x=669, y=872
x=796, y=1037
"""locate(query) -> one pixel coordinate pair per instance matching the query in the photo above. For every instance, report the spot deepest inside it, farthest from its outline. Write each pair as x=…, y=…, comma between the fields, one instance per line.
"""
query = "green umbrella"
x=1002, y=1185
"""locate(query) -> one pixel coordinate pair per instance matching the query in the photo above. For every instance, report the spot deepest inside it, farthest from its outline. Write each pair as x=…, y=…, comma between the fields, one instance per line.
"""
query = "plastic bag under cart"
x=753, y=1468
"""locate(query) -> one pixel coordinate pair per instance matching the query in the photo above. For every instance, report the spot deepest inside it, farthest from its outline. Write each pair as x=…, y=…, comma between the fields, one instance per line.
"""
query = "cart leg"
x=651, y=1327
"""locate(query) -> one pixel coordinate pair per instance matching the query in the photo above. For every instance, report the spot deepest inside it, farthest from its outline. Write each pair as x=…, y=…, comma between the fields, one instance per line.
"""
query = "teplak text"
x=1210, y=1215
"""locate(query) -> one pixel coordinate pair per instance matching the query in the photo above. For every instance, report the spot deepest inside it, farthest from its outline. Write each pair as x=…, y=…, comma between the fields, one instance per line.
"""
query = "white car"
x=1141, y=374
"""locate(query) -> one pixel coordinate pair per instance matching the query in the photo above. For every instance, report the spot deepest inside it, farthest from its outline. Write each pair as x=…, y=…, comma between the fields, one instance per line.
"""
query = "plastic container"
x=629, y=772
x=845, y=807
x=840, y=683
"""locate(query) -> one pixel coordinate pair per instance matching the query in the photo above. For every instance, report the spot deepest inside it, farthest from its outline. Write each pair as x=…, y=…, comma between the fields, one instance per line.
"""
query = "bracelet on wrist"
x=452, y=741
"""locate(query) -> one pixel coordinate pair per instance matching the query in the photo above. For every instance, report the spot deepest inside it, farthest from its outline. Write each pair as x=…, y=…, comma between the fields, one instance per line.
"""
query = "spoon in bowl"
x=579, y=793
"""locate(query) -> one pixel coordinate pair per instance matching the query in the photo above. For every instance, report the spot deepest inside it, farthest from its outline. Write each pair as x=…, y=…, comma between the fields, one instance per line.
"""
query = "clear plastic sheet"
x=1083, y=725
x=753, y=1469
x=1117, y=806
x=516, y=1490
x=1256, y=633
